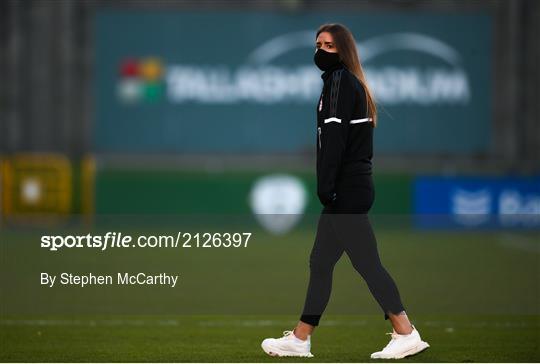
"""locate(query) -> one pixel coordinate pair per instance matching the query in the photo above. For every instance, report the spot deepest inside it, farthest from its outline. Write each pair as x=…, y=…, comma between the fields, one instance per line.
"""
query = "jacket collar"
x=329, y=72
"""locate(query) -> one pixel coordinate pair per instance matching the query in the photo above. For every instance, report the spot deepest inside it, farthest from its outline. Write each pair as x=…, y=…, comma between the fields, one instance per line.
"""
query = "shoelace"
x=395, y=336
x=287, y=333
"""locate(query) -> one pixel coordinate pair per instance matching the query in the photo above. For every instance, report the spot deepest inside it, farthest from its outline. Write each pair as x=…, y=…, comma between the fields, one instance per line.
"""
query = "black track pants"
x=350, y=233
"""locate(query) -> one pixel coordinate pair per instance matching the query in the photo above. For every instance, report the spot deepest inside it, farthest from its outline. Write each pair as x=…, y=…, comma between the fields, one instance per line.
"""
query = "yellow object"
x=151, y=69
x=88, y=176
x=36, y=185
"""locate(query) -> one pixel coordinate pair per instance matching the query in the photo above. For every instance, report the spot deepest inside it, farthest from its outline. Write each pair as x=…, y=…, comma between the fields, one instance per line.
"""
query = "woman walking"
x=346, y=116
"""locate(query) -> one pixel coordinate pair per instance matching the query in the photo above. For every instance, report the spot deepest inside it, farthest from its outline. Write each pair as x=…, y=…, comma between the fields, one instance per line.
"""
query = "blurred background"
x=158, y=117
x=165, y=107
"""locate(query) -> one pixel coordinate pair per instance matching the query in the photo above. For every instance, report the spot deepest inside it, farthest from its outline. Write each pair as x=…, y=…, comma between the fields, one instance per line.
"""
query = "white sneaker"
x=288, y=345
x=401, y=346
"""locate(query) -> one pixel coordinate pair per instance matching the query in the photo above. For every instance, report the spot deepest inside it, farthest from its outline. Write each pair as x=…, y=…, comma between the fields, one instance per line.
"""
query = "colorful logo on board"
x=141, y=80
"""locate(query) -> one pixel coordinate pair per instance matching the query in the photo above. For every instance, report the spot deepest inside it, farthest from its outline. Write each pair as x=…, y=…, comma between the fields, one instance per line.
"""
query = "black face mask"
x=325, y=60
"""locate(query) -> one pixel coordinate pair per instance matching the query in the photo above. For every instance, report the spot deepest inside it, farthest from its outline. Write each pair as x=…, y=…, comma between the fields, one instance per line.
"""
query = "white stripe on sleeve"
x=329, y=120
x=356, y=121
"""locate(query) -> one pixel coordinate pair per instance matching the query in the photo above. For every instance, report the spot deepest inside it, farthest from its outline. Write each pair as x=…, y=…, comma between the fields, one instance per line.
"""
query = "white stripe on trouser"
x=356, y=121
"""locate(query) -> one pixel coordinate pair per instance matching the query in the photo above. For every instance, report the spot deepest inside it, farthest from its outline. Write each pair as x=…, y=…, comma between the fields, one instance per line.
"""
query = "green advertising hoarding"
x=245, y=82
x=140, y=191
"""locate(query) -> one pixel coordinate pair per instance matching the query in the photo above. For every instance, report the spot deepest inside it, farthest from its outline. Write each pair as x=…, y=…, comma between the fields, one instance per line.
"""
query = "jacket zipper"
x=319, y=132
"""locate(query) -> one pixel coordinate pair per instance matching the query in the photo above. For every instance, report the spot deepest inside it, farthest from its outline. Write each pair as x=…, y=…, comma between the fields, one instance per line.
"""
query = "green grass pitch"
x=474, y=296
x=237, y=338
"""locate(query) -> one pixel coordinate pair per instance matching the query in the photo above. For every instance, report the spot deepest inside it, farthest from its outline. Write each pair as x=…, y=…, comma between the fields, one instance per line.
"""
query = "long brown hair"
x=346, y=47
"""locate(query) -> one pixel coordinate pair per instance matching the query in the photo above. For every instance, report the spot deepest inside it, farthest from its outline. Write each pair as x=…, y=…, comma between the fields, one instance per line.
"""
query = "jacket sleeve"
x=333, y=135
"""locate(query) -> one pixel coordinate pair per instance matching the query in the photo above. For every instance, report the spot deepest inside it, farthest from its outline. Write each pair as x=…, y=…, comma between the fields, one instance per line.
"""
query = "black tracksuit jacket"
x=344, y=133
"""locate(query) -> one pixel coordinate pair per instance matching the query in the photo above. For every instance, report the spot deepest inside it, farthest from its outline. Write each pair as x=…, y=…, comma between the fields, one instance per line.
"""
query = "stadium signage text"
x=260, y=81
x=509, y=202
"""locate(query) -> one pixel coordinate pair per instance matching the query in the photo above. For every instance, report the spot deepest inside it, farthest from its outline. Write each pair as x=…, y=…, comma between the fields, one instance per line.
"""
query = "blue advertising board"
x=477, y=202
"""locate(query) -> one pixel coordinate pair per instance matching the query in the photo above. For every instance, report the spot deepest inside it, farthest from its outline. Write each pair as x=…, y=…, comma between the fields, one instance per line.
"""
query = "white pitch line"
x=257, y=323
x=266, y=323
x=478, y=324
x=92, y=323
